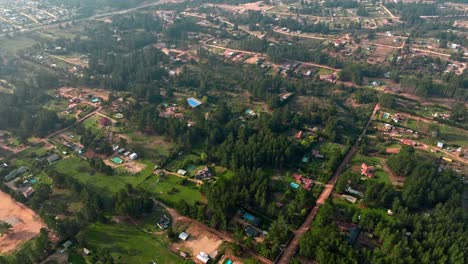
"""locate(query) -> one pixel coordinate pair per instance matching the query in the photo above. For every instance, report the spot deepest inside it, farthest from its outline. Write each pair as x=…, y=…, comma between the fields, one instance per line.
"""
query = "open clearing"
x=26, y=223
x=127, y=244
x=200, y=240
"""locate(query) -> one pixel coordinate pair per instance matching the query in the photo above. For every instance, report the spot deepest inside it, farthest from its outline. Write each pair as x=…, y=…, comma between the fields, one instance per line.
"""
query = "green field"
x=171, y=190
x=380, y=174
x=15, y=44
x=127, y=244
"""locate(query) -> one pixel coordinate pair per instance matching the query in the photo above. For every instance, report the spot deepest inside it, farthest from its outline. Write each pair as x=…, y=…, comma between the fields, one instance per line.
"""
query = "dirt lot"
x=256, y=6
x=199, y=241
x=26, y=223
x=71, y=92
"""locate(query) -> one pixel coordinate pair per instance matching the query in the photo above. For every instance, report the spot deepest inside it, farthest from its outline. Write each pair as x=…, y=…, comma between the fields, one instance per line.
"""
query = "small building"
x=203, y=257
x=183, y=236
x=354, y=192
x=251, y=232
x=349, y=198
x=104, y=121
x=181, y=172
x=53, y=158
x=127, y=153
x=299, y=135
x=250, y=113
x=133, y=156
x=16, y=173
x=28, y=192
x=294, y=185
x=67, y=244
x=408, y=142
x=203, y=174
x=440, y=144
x=316, y=154
x=367, y=170
x=252, y=219
x=86, y=251
x=449, y=160
x=305, y=182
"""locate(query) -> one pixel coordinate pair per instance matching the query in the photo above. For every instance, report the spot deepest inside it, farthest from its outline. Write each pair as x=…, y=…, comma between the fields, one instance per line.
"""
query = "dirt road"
x=293, y=246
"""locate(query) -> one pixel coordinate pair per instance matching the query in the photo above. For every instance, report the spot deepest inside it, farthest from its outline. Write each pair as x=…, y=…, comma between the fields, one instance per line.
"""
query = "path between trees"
x=293, y=246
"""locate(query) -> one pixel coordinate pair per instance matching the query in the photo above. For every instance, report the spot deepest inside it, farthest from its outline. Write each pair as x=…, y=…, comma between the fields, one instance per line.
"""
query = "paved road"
x=293, y=246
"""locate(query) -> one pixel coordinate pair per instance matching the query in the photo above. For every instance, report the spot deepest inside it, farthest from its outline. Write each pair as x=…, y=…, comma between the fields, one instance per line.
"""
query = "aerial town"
x=233, y=131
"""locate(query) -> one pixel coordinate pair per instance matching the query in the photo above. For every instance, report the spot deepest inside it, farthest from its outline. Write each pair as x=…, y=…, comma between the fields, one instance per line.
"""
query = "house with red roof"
x=367, y=170
x=305, y=182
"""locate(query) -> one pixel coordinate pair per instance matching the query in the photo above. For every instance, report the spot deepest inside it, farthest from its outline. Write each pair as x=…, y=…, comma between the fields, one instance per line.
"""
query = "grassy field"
x=127, y=244
x=172, y=190
x=380, y=174
x=15, y=44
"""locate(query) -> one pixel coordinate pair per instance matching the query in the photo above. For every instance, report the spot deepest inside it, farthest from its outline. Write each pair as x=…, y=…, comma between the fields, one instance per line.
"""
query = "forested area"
x=427, y=222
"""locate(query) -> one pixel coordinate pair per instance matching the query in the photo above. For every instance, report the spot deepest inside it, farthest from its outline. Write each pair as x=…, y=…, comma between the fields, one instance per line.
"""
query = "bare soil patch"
x=200, y=240
x=26, y=223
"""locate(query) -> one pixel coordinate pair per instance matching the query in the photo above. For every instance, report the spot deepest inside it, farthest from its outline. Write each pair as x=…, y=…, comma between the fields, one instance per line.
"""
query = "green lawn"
x=170, y=189
x=380, y=174
x=127, y=244
x=15, y=44
x=106, y=184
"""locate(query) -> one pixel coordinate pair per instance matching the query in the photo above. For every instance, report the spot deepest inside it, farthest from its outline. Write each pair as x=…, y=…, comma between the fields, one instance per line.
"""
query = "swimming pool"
x=228, y=261
x=193, y=102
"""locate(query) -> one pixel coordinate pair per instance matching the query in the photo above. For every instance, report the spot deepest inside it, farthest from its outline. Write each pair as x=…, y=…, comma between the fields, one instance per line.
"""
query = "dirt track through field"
x=26, y=223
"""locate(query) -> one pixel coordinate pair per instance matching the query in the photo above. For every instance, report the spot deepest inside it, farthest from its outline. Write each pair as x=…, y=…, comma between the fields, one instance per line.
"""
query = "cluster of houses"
x=202, y=174
x=17, y=15
x=26, y=186
x=124, y=153
x=397, y=117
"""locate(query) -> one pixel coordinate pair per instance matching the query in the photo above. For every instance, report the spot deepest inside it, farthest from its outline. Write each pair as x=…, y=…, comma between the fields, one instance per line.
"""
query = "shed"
x=182, y=172
x=203, y=257
x=133, y=156
x=67, y=244
x=251, y=232
x=86, y=251
x=184, y=236
x=52, y=158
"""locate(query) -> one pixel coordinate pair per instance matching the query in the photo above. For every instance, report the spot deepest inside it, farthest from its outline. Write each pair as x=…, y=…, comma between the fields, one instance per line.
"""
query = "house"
x=352, y=191
x=183, y=236
x=386, y=115
x=53, y=158
x=285, y=96
x=367, y=170
x=305, y=182
x=104, y=121
x=387, y=127
x=251, y=232
x=163, y=222
x=86, y=251
x=28, y=192
x=127, y=153
x=408, y=142
x=16, y=173
x=317, y=154
x=349, y=198
x=133, y=156
x=203, y=257
x=67, y=244
x=299, y=135
x=252, y=219
x=440, y=144
x=203, y=174
x=181, y=172
x=250, y=113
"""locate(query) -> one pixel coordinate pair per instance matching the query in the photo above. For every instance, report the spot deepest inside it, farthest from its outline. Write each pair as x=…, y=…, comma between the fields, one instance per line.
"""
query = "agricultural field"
x=128, y=244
